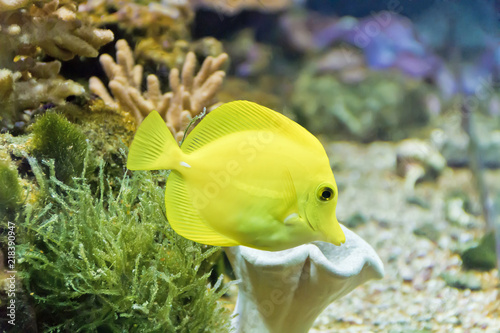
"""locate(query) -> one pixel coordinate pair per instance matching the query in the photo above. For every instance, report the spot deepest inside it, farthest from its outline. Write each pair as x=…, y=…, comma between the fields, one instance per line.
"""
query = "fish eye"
x=325, y=193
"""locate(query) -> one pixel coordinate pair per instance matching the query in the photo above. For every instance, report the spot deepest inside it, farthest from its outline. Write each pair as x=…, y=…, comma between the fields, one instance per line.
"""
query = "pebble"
x=413, y=296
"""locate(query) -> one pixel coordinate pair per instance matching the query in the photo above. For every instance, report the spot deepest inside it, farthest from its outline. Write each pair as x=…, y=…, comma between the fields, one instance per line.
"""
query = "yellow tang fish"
x=245, y=175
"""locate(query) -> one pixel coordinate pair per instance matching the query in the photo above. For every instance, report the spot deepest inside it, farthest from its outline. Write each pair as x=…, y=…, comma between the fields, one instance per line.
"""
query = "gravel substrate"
x=413, y=296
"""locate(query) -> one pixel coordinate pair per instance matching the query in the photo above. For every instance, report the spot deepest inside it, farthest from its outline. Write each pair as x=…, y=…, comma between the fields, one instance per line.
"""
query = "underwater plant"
x=108, y=261
x=11, y=197
x=108, y=132
x=190, y=94
x=54, y=137
x=379, y=107
x=10, y=189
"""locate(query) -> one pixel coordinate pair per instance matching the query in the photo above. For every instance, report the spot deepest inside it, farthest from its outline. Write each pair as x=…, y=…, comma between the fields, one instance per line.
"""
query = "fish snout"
x=334, y=233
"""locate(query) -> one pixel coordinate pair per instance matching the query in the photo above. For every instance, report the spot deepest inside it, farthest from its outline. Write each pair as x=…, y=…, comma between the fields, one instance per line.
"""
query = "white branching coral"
x=59, y=32
x=28, y=31
x=232, y=7
x=12, y=4
x=190, y=94
x=53, y=26
x=18, y=93
x=153, y=17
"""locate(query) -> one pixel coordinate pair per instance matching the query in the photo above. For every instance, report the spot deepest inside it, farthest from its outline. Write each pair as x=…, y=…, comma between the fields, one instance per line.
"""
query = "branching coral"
x=12, y=4
x=164, y=25
x=154, y=18
x=172, y=54
x=190, y=94
x=18, y=94
x=28, y=30
x=54, y=27
x=232, y=7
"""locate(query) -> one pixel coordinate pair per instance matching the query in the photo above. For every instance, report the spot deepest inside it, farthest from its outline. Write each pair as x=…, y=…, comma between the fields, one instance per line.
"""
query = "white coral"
x=189, y=96
x=284, y=291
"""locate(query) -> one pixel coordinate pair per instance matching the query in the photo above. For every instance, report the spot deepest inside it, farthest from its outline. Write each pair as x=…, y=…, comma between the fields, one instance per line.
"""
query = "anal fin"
x=184, y=218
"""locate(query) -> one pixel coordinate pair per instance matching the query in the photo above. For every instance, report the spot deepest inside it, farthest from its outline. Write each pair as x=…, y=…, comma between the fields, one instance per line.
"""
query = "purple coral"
x=388, y=40
x=420, y=50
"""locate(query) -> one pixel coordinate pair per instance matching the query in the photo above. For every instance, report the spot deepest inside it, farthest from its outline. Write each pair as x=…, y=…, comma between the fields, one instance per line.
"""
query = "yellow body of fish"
x=246, y=175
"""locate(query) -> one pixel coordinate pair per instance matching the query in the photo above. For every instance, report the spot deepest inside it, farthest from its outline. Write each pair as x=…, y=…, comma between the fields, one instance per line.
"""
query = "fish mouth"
x=332, y=232
x=335, y=235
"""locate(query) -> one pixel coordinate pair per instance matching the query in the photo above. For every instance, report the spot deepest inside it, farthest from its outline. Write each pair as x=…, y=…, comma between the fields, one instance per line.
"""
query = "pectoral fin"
x=295, y=219
x=289, y=196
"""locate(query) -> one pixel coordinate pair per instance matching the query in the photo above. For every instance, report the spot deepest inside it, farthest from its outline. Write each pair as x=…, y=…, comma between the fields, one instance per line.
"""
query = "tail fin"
x=153, y=147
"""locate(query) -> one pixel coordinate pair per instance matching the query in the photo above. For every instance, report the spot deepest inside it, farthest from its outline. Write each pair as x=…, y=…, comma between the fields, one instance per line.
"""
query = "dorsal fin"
x=240, y=116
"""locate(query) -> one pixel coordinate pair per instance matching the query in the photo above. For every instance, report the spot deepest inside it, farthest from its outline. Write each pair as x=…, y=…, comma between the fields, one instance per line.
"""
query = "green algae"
x=10, y=197
x=10, y=190
x=482, y=256
x=109, y=262
x=381, y=107
x=107, y=130
x=54, y=137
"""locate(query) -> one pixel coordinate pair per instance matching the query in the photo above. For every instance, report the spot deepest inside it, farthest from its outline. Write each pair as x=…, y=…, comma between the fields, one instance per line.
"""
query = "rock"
x=455, y=142
x=419, y=201
x=428, y=231
x=481, y=256
x=455, y=212
x=355, y=220
x=462, y=280
x=417, y=152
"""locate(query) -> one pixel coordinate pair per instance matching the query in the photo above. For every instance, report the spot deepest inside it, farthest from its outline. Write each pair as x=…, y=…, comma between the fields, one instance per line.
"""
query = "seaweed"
x=381, y=107
x=109, y=132
x=109, y=262
x=54, y=137
x=10, y=190
x=10, y=197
